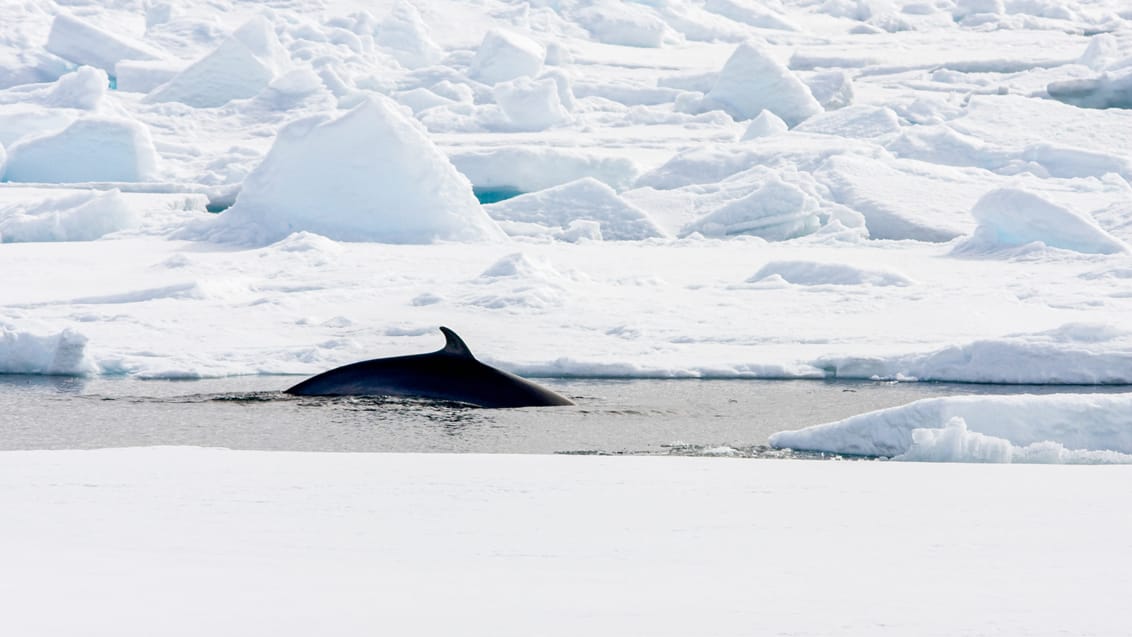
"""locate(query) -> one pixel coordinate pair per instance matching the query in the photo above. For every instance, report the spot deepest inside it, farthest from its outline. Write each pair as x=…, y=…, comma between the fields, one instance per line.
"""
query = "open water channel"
x=693, y=417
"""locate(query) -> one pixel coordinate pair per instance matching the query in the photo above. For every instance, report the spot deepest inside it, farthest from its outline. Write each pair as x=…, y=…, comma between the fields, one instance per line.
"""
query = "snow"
x=301, y=543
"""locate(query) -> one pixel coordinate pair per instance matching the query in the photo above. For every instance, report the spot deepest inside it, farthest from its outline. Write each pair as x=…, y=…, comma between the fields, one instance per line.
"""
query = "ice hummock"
x=94, y=148
x=552, y=212
x=1011, y=218
x=242, y=66
x=1033, y=428
x=371, y=174
x=752, y=81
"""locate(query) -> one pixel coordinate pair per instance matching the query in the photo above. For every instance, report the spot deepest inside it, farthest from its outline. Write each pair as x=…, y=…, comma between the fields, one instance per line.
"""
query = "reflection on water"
x=724, y=418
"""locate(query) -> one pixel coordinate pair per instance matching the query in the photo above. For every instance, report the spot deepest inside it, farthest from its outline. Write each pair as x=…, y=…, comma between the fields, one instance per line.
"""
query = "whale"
x=450, y=374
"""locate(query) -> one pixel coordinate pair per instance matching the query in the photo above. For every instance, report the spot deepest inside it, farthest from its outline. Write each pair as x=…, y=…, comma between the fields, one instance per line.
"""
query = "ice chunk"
x=530, y=104
x=242, y=66
x=862, y=122
x=774, y=210
x=813, y=273
x=90, y=149
x=62, y=354
x=397, y=186
x=756, y=14
x=1009, y=218
x=407, y=36
x=142, y=76
x=531, y=168
x=765, y=125
x=955, y=443
x=832, y=89
x=82, y=89
x=505, y=55
x=83, y=43
x=623, y=23
x=1093, y=422
x=1104, y=91
x=587, y=199
x=82, y=217
x=752, y=81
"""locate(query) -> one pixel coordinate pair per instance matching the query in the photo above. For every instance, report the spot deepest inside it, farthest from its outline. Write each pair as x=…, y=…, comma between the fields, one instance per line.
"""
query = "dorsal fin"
x=454, y=345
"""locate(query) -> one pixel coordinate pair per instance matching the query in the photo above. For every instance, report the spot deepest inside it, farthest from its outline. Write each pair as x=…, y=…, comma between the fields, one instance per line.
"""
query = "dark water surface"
x=695, y=417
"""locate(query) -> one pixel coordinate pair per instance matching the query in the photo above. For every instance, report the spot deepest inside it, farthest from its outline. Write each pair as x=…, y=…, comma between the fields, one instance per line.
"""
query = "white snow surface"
x=303, y=543
x=931, y=212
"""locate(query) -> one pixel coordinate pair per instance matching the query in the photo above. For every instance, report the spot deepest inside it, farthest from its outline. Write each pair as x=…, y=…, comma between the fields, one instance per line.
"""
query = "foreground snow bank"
x=314, y=543
x=396, y=188
x=1078, y=428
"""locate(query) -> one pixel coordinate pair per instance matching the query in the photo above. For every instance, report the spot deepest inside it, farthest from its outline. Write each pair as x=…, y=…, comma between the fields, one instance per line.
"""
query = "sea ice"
x=397, y=187
x=81, y=217
x=505, y=55
x=1087, y=422
x=753, y=81
x=554, y=210
x=243, y=65
x=95, y=148
x=1009, y=218
x=83, y=43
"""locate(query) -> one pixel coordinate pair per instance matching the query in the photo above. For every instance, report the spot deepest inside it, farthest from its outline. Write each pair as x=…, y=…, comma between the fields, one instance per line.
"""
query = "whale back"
x=450, y=374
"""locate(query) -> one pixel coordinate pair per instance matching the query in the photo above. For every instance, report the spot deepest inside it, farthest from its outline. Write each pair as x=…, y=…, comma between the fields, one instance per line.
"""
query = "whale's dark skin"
x=451, y=374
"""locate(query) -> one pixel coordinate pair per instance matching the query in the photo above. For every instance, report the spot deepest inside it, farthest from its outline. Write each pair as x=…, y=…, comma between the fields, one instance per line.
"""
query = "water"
x=692, y=417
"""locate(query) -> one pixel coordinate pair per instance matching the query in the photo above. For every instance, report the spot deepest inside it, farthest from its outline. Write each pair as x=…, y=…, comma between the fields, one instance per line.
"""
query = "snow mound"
x=774, y=210
x=1009, y=218
x=62, y=354
x=752, y=81
x=242, y=66
x=531, y=168
x=1104, y=91
x=83, y=89
x=557, y=209
x=85, y=44
x=764, y=125
x=531, y=105
x=397, y=187
x=813, y=273
x=622, y=23
x=90, y=149
x=505, y=55
x=517, y=282
x=1043, y=426
x=81, y=217
x=404, y=33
